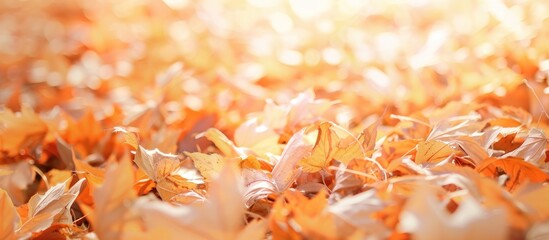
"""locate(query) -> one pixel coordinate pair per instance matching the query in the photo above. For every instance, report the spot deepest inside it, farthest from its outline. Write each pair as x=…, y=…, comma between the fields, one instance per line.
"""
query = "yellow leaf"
x=348, y=149
x=131, y=138
x=173, y=185
x=155, y=163
x=250, y=162
x=432, y=152
x=221, y=141
x=323, y=150
x=209, y=165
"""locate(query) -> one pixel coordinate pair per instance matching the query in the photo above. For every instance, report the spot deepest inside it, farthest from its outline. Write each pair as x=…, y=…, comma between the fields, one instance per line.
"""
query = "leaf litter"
x=282, y=120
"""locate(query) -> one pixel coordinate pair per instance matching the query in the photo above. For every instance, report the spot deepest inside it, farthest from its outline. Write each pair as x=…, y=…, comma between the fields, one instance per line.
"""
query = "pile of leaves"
x=284, y=120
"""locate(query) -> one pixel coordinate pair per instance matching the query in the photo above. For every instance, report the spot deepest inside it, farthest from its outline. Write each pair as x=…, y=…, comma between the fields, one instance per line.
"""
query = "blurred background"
x=223, y=59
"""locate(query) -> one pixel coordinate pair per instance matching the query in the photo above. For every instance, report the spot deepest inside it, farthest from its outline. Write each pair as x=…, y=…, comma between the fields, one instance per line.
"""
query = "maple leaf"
x=513, y=171
x=210, y=220
x=432, y=152
x=111, y=216
x=330, y=144
x=258, y=185
x=52, y=207
x=10, y=218
x=259, y=132
x=472, y=148
x=323, y=149
x=457, y=147
x=156, y=164
x=358, y=211
x=221, y=141
x=130, y=138
x=533, y=148
x=426, y=218
x=209, y=165
x=285, y=172
x=294, y=216
x=19, y=131
x=84, y=142
x=18, y=176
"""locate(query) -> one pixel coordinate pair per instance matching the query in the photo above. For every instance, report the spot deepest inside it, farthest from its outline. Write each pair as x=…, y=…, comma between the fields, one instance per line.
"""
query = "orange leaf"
x=20, y=130
x=432, y=152
x=10, y=218
x=323, y=150
x=516, y=170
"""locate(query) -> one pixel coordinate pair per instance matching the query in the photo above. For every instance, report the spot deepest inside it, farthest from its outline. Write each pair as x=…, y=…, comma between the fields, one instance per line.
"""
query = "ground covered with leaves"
x=297, y=119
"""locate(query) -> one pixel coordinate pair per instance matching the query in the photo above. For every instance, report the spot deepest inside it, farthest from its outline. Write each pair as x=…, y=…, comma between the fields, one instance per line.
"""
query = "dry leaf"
x=294, y=213
x=157, y=165
x=513, y=171
x=426, y=218
x=130, y=138
x=10, y=218
x=533, y=148
x=209, y=165
x=421, y=120
x=173, y=185
x=358, y=211
x=20, y=131
x=221, y=141
x=284, y=171
x=432, y=152
x=22, y=174
x=323, y=150
x=52, y=207
x=112, y=216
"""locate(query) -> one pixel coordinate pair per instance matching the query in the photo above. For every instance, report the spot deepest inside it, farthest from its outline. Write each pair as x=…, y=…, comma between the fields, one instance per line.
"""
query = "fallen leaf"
x=533, y=148
x=20, y=131
x=323, y=150
x=209, y=165
x=515, y=171
x=15, y=184
x=156, y=164
x=284, y=171
x=173, y=185
x=426, y=218
x=432, y=152
x=112, y=216
x=130, y=138
x=10, y=218
x=52, y=207
x=221, y=141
